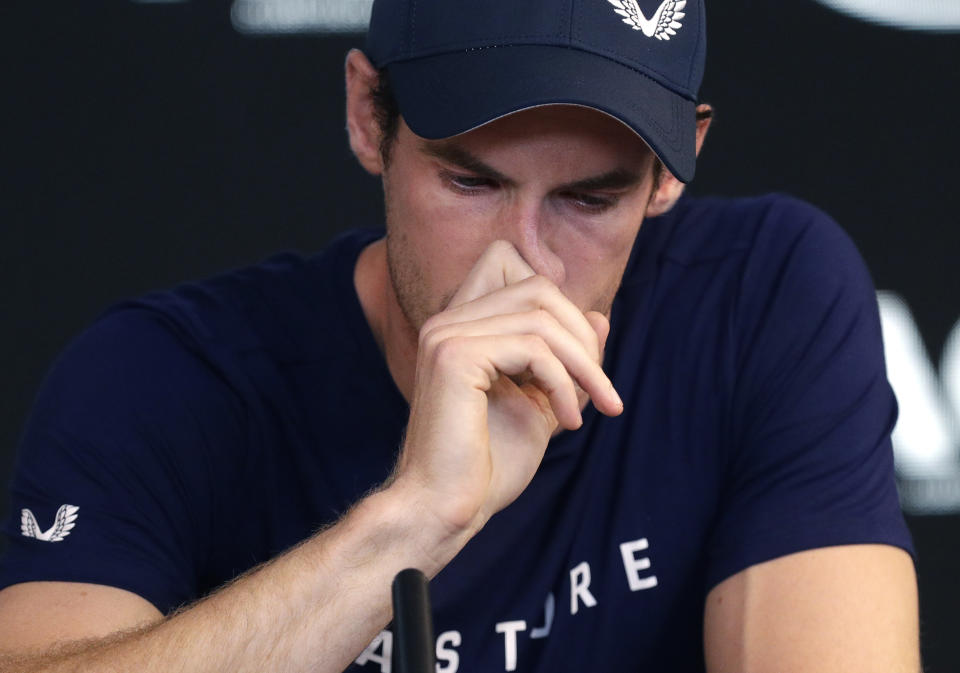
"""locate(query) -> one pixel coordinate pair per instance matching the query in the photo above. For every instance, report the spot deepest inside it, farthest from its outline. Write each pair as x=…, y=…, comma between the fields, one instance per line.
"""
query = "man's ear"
x=670, y=189
x=362, y=126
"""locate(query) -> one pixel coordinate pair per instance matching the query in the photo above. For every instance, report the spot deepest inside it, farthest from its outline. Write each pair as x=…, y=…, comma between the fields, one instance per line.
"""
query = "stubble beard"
x=409, y=282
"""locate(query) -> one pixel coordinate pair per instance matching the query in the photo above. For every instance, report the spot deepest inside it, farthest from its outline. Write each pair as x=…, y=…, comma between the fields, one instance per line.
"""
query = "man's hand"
x=497, y=372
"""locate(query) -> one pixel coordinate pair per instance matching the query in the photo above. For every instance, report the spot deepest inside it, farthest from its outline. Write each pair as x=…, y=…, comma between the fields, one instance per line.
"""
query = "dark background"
x=146, y=144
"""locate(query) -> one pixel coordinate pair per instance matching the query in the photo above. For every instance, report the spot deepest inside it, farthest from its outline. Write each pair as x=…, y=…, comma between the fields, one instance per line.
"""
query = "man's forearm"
x=313, y=608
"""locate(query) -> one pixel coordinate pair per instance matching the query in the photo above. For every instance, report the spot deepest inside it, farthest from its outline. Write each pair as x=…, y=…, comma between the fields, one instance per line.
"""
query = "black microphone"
x=413, y=650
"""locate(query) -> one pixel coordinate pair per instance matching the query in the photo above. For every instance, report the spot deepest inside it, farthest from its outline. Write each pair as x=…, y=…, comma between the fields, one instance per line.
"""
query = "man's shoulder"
x=277, y=304
x=704, y=229
x=232, y=336
x=760, y=247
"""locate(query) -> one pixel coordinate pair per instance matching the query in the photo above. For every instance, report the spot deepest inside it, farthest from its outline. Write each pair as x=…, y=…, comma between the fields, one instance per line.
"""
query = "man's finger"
x=579, y=362
x=500, y=265
x=528, y=354
x=531, y=294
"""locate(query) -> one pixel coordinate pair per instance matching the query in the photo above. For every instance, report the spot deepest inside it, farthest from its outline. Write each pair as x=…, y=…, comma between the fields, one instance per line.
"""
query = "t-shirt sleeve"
x=811, y=463
x=116, y=473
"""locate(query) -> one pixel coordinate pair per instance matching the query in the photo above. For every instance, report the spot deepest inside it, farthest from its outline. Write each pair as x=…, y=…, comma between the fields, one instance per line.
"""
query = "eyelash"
x=471, y=185
x=474, y=183
x=593, y=204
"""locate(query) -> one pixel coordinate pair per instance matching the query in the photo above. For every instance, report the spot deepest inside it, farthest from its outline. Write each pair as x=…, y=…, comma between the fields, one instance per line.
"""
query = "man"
x=723, y=502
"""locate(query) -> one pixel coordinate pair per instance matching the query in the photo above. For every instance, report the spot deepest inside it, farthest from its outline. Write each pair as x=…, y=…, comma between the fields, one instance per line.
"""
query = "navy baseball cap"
x=455, y=65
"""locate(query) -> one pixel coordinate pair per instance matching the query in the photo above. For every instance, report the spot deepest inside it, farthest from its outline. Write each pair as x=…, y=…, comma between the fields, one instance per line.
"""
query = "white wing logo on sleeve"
x=664, y=23
x=62, y=524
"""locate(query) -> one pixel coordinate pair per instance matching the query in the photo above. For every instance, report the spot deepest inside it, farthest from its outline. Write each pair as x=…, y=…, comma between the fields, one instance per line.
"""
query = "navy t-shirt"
x=192, y=434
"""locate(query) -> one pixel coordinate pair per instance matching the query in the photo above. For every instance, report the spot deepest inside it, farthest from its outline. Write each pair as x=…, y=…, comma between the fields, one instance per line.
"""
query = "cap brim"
x=448, y=94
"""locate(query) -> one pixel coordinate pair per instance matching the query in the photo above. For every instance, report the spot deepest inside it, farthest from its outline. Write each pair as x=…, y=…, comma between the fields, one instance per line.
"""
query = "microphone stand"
x=413, y=646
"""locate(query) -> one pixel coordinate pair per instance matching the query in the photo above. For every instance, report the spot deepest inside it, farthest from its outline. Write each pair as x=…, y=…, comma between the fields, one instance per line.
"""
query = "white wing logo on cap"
x=664, y=23
x=62, y=524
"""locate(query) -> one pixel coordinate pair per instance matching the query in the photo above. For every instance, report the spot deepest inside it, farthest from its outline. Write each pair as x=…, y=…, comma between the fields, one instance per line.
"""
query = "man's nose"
x=528, y=225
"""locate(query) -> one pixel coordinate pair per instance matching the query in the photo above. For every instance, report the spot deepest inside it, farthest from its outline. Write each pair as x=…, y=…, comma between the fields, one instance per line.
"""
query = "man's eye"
x=591, y=202
x=468, y=184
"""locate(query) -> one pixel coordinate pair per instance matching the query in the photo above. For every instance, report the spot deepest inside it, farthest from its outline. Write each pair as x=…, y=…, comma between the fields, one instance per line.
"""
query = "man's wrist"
x=412, y=528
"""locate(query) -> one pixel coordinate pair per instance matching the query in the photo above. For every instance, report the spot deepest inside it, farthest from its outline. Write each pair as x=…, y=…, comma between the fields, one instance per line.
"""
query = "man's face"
x=566, y=185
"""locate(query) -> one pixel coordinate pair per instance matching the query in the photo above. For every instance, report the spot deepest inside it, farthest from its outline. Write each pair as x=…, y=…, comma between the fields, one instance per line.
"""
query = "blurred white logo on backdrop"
x=935, y=15
x=300, y=16
x=926, y=441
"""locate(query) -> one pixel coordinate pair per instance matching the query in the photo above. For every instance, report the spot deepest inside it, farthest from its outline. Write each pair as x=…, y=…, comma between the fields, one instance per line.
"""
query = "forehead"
x=565, y=133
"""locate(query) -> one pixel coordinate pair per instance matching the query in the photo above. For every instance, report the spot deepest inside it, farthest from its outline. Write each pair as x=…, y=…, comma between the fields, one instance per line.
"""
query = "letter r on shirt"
x=580, y=588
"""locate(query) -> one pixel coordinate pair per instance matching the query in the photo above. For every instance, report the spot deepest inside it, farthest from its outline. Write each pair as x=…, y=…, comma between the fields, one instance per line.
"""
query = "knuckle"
x=430, y=332
x=430, y=324
x=541, y=283
x=543, y=318
x=534, y=344
x=546, y=292
x=448, y=350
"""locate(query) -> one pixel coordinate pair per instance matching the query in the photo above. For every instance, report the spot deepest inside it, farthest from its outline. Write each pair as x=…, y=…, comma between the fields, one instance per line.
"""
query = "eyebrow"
x=458, y=156
x=618, y=178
